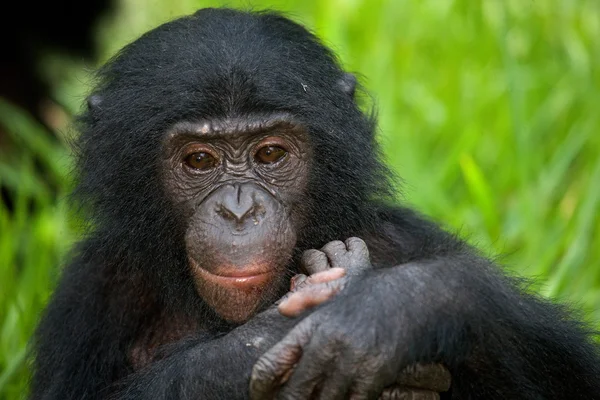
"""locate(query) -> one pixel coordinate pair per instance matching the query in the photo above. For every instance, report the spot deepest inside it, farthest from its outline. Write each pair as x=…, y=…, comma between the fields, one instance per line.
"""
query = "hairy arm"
x=215, y=369
x=498, y=340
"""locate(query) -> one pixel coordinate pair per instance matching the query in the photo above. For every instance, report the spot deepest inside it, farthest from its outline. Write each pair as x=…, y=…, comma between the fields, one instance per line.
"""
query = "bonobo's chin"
x=241, y=269
x=237, y=292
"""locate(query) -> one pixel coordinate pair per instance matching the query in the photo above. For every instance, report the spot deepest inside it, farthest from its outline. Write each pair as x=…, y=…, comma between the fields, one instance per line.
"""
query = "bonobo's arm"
x=459, y=309
x=215, y=369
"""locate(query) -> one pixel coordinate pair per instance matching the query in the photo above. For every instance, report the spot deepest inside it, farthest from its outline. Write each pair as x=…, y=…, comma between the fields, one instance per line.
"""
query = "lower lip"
x=248, y=282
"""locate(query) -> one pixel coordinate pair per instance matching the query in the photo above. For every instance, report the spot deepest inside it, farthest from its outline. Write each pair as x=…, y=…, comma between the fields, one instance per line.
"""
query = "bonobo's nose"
x=240, y=204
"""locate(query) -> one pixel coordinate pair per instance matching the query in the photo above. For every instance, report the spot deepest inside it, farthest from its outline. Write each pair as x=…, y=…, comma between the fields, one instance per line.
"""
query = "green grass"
x=489, y=111
x=34, y=236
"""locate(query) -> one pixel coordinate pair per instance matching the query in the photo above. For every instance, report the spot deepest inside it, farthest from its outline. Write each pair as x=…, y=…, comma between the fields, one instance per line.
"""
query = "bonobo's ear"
x=93, y=102
x=347, y=83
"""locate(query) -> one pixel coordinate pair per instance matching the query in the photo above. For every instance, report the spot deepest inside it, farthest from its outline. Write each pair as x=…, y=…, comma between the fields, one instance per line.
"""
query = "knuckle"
x=342, y=344
x=355, y=243
x=335, y=246
x=373, y=363
x=312, y=255
x=261, y=370
x=359, y=249
x=304, y=330
x=337, y=285
x=314, y=261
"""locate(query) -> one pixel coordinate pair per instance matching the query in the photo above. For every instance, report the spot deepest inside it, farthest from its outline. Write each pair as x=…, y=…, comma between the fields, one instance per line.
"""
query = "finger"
x=356, y=245
x=433, y=377
x=360, y=256
x=364, y=391
x=367, y=385
x=300, y=281
x=308, y=298
x=334, y=250
x=335, y=385
x=326, y=276
x=297, y=282
x=303, y=385
x=402, y=393
x=309, y=372
x=274, y=367
x=314, y=261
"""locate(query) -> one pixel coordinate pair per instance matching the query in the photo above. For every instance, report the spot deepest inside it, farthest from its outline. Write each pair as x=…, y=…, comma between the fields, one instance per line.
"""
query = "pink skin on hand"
x=310, y=292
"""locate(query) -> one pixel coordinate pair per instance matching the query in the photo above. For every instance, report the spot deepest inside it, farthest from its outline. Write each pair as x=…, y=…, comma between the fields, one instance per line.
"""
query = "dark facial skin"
x=237, y=182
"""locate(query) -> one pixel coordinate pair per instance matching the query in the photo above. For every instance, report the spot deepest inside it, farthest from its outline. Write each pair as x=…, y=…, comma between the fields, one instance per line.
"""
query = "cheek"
x=237, y=304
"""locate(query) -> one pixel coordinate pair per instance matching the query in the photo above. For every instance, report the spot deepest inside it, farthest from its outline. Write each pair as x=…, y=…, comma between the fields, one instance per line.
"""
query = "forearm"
x=216, y=369
x=487, y=328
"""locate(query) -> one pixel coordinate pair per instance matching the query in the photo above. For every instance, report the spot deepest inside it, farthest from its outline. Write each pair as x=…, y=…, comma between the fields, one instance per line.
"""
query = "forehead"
x=233, y=127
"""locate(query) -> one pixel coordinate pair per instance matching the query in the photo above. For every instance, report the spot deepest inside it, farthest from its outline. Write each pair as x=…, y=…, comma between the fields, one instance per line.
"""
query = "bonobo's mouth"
x=247, y=278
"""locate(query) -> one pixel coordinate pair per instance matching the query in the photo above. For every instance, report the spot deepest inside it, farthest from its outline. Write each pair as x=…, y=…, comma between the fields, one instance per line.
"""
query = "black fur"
x=498, y=341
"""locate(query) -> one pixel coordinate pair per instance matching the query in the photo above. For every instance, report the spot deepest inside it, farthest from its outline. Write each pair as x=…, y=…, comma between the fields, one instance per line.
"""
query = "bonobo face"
x=239, y=184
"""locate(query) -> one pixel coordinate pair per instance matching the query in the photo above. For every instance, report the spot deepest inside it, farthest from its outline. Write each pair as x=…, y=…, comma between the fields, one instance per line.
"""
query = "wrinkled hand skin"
x=288, y=371
x=330, y=269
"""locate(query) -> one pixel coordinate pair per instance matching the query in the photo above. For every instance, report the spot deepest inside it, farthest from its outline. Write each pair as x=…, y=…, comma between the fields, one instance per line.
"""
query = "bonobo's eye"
x=200, y=160
x=270, y=154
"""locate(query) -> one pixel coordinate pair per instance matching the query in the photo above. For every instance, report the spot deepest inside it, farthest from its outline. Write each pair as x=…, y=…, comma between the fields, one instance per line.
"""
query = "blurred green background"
x=489, y=110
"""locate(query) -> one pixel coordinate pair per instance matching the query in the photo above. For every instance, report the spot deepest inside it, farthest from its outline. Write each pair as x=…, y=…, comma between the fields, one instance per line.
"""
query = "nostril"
x=223, y=212
x=258, y=212
x=240, y=215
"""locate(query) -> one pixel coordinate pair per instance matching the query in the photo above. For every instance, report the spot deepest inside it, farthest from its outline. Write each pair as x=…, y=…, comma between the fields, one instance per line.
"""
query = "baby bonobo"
x=216, y=148
x=328, y=271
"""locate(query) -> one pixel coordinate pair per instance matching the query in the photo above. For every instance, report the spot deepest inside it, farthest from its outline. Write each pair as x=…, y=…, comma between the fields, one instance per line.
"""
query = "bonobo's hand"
x=330, y=270
x=345, y=348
